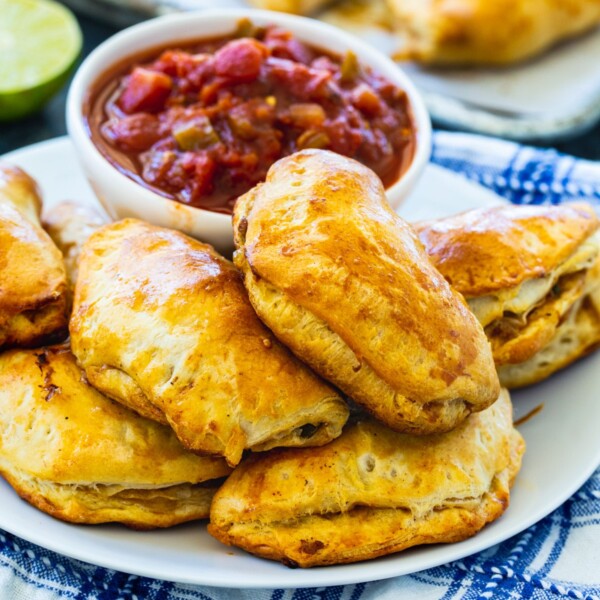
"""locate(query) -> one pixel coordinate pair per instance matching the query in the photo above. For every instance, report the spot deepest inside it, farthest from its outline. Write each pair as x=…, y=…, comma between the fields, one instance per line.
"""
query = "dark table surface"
x=51, y=121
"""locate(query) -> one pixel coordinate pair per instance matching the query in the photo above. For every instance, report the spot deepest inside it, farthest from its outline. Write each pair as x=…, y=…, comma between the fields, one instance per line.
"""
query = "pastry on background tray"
x=484, y=32
x=33, y=282
x=81, y=457
x=371, y=492
x=531, y=275
x=301, y=7
x=163, y=324
x=343, y=281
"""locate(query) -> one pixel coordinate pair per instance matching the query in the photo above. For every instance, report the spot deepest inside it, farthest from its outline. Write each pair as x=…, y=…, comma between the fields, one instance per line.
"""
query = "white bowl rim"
x=137, y=38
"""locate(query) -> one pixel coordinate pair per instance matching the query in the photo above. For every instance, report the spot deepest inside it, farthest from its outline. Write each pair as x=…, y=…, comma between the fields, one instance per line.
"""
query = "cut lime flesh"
x=40, y=41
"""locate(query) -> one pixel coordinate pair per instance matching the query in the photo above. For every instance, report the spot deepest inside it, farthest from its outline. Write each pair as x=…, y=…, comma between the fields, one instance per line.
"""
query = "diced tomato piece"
x=134, y=132
x=283, y=44
x=145, y=91
x=240, y=60
x=300, y=81
x=201, y=169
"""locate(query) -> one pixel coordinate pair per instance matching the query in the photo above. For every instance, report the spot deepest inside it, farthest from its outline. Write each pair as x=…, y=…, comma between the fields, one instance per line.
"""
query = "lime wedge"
x=40, y=41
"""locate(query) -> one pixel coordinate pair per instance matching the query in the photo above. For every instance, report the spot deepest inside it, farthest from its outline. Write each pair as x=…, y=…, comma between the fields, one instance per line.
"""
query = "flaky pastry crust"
x=162, y=323
x=371, y=492
x=81, y=457
x=33, y=287
x=529, y=273
x=70, y=224
x=343, y=281
x=490, y=249
x=480, y=32
x=576, y=334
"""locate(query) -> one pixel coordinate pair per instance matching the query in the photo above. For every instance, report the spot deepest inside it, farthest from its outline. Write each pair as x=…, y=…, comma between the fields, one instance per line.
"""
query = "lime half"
x=40, y=41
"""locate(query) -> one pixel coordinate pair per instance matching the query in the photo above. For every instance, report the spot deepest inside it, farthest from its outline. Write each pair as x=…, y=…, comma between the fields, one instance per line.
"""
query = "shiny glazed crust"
x=344, y=283
x=162, y=323
x=33, y=288
x=501, y=32
x=485, y=250
x=371, y=492
x=80, y=457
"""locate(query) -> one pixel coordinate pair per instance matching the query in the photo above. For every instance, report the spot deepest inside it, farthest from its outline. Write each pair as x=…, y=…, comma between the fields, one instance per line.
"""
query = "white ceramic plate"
x=563, y=448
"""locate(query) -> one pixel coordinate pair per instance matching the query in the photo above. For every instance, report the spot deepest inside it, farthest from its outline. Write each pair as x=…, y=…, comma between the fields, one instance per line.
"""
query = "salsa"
x=203, y=123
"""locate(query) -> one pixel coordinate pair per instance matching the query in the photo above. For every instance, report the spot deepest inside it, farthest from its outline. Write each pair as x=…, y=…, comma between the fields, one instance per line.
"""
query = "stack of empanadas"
x=371, y=492
x=65, y=447
x=344, y=282
x=333, y=301
x=531, y=275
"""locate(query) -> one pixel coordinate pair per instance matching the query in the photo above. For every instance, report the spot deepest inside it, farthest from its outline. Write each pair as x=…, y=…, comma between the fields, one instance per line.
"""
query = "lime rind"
x=40, y=42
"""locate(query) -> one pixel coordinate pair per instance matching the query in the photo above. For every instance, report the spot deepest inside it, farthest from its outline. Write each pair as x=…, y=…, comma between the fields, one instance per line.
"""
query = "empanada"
x=480, y=32
x=163, y=324
x=371, y=492
x=344, y=283
x=81, y=457
x=33, y=283
x=70, y=224
x=531, y=276
x=300, y=7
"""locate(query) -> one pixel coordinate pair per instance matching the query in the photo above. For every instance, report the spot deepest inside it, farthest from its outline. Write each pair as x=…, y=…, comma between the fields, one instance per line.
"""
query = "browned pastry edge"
x=133, y=508
x=37, y=326
x=33, y=286
x=372, y=491
x=486, y=250
x=348, y=537
x=514, y=346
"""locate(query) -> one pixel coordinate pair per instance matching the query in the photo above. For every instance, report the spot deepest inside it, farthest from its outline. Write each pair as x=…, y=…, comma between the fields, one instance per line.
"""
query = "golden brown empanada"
x=33, y=286
x=361, y=17
x=371, y=492
x=80, y=457
x=343, y=281
x=163, y=324
x=480, y=32
x=70, y=224
x=300, y=7
x=531, y=276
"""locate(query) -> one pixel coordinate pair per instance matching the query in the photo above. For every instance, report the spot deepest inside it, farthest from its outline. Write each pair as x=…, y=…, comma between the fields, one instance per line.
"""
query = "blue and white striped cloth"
x=559, y=557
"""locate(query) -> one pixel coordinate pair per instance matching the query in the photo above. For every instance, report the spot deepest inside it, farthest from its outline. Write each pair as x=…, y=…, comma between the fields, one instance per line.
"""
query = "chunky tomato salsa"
x=203, y=123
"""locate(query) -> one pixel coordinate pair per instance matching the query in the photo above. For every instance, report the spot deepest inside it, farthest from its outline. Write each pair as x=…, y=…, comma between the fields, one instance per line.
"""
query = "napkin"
x=558, y=557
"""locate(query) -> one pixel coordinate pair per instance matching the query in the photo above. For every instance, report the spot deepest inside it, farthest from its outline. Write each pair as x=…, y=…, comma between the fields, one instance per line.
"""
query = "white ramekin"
x=122, y=197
